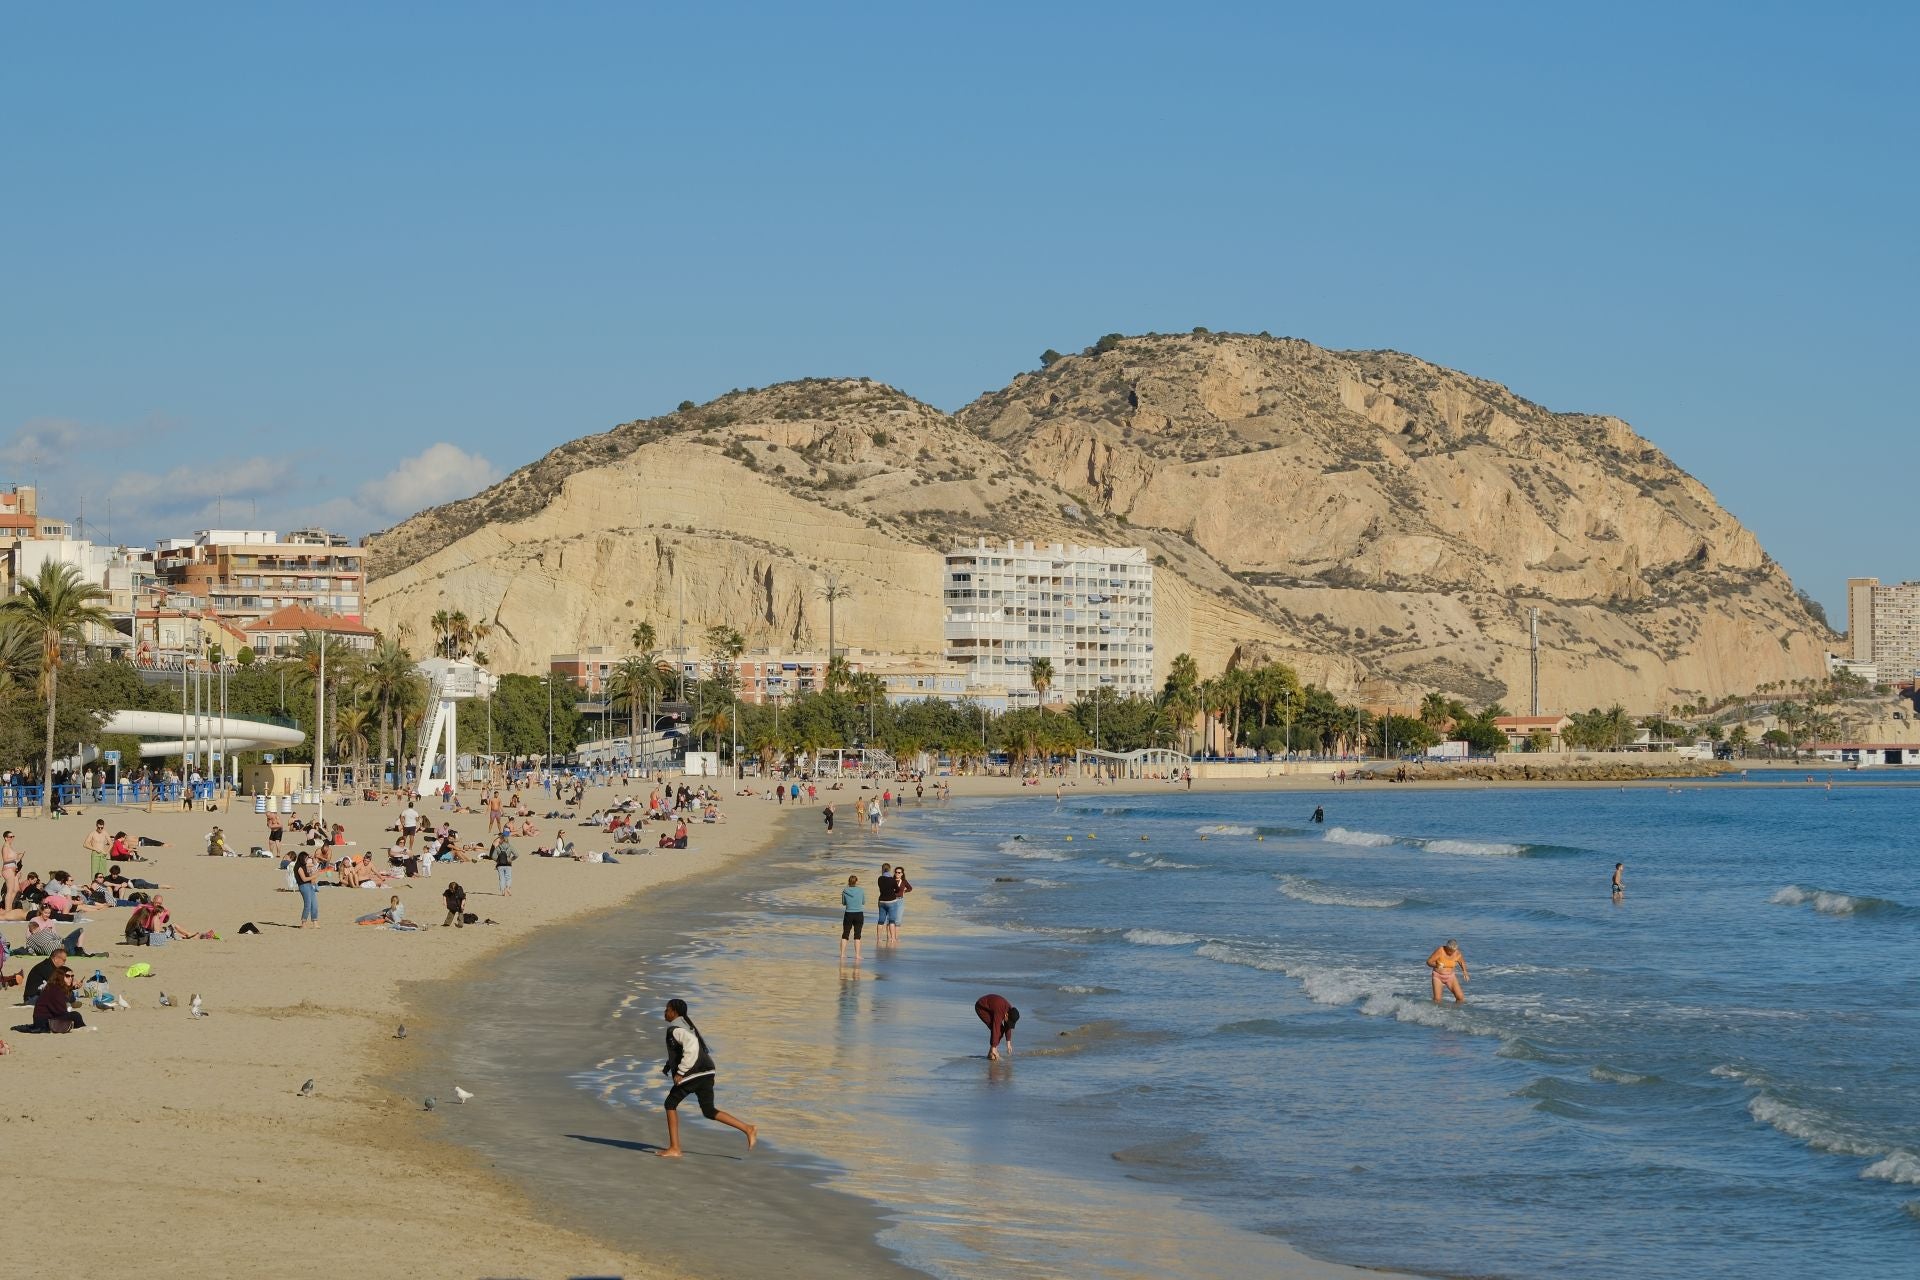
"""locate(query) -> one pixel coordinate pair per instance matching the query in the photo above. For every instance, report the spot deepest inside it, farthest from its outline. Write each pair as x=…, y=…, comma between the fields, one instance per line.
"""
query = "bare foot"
x=993, y=1055
x=671, y=1153
x=753, y=1132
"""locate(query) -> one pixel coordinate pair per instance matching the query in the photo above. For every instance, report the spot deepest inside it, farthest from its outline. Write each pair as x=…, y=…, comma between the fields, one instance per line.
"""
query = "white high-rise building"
x=1087, y=610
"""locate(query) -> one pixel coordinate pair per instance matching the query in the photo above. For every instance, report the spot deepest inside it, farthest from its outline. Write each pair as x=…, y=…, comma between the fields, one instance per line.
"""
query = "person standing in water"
x=1619, y=879
x=1444, y=960
x=1319, y=814
x=826, y=816
x=690, y=1067
x=1000, y=1018
x=853, y=917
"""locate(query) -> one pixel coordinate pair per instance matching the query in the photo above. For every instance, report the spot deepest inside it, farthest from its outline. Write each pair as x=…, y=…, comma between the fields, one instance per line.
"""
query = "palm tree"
x=832, y=593
x=713, y=721
x=1181, y=695
x=56, y=607
x=351, y=721
x=442, y=623
x=644, y=640
x=388, y=675
x=1040, y=673
x=628, y=688
x=19, y=651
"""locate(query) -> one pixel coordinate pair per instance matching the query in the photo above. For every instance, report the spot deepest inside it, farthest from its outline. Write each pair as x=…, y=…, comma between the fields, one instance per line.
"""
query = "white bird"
x=120, y=1002
x=306, y=1090
x=193, y=1008
x=460, y=1094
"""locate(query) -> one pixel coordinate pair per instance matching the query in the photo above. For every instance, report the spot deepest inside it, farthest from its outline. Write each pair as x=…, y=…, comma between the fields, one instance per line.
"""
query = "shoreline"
x=218, y=1097
x=840, y=1168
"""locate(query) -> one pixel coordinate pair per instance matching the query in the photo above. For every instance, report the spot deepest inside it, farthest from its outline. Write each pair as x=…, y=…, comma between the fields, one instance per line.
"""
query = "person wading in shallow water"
x=1444, y=960
x=690, y=1067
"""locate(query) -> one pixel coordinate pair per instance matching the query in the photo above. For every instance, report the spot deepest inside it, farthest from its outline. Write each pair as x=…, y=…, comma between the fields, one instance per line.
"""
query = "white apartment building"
x=1087, y=610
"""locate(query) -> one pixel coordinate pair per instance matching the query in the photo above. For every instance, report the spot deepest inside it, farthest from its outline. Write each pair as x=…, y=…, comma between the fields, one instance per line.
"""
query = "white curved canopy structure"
x=241, y=735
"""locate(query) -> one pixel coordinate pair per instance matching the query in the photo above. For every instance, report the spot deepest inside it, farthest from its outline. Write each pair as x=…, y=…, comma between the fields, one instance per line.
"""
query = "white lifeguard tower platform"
x=449, y=683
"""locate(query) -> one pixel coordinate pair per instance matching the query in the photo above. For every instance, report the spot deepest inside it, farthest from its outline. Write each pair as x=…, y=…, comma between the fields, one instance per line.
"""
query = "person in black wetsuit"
x=690, y=1067
x=1319, y=814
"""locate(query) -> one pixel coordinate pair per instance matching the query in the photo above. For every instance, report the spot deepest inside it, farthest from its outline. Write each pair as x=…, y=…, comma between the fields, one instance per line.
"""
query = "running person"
x=1000, y=1018
x=690, y=1067
x=853, y=917
x=1444, y=960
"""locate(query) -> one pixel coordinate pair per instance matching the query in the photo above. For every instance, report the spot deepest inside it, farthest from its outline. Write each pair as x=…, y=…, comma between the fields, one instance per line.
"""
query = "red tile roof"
x=297, y=617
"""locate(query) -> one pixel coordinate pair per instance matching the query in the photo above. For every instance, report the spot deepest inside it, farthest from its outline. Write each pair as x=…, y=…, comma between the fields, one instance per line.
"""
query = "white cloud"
x=78, y=467
x=440, y=473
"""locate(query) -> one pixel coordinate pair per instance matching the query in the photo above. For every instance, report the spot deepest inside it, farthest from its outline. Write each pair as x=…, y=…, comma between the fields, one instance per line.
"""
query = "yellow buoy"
x=1089, y=835
x=1069, y=839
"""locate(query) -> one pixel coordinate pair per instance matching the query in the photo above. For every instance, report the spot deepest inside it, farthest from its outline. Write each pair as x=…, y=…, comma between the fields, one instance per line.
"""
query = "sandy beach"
x=192, y=1133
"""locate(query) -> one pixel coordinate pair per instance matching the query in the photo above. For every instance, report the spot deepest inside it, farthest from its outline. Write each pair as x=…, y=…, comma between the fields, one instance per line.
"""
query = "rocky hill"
x=1380, y=522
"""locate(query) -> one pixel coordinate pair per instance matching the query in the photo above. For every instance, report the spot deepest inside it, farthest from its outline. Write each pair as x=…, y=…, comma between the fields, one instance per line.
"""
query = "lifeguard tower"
x=451, y=684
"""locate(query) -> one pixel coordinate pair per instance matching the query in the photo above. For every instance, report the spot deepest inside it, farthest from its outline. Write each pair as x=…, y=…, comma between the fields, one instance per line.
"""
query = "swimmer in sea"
x=1444, y=960
x=1619, y=878
x=1319, y=814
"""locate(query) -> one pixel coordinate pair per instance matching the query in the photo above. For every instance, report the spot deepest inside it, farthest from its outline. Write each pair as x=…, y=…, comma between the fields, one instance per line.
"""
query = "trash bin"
x=286, y=803
x=260, y=803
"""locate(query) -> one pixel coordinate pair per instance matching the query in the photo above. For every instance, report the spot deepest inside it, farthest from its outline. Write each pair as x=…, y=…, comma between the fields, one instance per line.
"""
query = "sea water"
x=1227, y=1012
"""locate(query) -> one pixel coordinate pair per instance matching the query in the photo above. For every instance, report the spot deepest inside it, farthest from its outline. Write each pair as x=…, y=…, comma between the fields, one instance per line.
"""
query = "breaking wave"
x=1829, y=903
x=1324, y=895
x=1366, y=989
x=1476, y=848
x=1223, y=829
x=1031, y=852
x=1359, y=839
x=1158, y=938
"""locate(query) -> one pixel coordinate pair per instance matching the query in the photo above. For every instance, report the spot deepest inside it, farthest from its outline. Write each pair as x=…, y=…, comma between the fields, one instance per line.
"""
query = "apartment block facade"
x=246, y=574
x=1087, y=610
x=1883, y=627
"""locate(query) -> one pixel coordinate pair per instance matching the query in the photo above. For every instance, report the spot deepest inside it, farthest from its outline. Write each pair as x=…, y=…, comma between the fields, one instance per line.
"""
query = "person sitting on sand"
x=392, y=913
x=216, y=843
x=14, y=979
x=43, y=935
x=125, y=850
x=54, y=1003
x=1444, y=960
x=63, y=895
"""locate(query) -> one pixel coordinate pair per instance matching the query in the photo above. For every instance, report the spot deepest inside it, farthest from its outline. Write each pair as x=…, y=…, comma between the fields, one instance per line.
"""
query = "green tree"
x=1181, y=696
x=56, y=606
x=644, y=640
x=1048, y=356
x=1040, y=674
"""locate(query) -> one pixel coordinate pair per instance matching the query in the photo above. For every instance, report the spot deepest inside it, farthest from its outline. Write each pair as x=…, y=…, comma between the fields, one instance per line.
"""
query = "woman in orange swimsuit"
x=1444, y=960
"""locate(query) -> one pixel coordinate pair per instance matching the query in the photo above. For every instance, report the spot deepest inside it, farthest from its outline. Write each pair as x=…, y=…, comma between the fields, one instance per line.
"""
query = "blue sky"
x=372, y=256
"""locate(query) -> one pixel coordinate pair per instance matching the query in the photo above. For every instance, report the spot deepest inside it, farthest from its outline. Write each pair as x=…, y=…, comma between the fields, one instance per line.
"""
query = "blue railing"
x=70, y=795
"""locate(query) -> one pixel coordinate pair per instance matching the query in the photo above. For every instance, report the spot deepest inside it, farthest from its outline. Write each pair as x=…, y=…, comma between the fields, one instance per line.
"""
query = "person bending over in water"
x=1000, y=1018
x=1444, y=960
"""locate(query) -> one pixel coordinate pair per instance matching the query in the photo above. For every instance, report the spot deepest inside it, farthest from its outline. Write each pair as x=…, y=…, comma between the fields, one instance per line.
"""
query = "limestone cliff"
x=1379, y=522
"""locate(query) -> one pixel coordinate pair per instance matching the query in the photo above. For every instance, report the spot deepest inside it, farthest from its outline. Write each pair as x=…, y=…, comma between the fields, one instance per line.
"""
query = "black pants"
x=851, y=925
x=702, y=1091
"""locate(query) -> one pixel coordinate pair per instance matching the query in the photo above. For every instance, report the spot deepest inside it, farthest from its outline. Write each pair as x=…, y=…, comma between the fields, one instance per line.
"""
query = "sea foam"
x=1223, y=829
x=1325, y=895
x=1158, y=938
x=1475, y=848
x=1362, y=839
x=1830, y=903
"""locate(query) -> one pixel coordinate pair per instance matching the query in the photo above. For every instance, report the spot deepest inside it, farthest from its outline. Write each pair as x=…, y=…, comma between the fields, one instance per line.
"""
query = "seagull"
x=429, y=1104
x=400, y=1032
x=460, y=1095
x=120, y=1002
x=193, y=1007
x=306, y=1090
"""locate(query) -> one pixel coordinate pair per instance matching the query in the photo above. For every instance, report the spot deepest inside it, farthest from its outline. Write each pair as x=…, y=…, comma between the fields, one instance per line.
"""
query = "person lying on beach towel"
x=119, y=885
